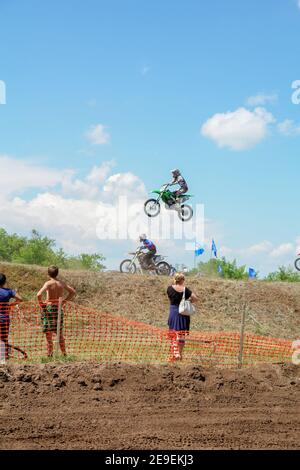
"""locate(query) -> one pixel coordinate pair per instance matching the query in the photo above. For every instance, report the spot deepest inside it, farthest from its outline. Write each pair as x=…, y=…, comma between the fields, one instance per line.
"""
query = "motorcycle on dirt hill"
x=131, y=266
x=152, y=206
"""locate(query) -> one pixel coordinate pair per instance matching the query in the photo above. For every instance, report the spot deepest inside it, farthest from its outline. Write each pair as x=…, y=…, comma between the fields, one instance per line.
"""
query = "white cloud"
x=81, y=212
x=17, y=175
x=261, y=99
x=238, y=130
x=97, y=135
x=90, y=186
x=77, y=188
x=267, y=249
x=77, y=212
x=84, y=214
x=69, y=217
x=262, y=247
x=282, y=250
x=100, y=173
x=289, y=127
x=125, y=184
x=225, y=251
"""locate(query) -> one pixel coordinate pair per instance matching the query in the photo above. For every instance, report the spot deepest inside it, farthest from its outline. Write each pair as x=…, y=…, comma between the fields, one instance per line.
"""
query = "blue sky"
x=165, y=84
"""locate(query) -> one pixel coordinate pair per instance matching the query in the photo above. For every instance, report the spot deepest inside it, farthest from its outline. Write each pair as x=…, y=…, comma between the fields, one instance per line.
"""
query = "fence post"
x=2, y=352
x=59, y=314
x=242, y=333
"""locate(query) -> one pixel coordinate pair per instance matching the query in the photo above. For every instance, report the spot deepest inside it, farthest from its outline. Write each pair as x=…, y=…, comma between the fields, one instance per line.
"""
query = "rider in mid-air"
x=178, y=179
x=151, y=250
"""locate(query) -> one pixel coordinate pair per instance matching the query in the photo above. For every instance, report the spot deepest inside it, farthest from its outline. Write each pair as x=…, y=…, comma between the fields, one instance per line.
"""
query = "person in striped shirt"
x=150, y=248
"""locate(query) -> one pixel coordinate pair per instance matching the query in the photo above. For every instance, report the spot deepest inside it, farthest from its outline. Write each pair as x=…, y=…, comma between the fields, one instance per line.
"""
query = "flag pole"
x=195, y=256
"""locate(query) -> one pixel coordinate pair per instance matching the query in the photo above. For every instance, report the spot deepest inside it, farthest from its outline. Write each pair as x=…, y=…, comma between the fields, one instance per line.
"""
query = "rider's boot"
x=176, y=203
x=171, y=201
x=152, y=267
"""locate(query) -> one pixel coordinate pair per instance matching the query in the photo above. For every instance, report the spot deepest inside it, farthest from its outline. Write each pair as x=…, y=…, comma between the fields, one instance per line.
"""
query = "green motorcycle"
x=152, y=206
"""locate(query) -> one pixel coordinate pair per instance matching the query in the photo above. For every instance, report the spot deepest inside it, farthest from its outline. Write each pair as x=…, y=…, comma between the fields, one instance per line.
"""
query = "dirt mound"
x=274, y=308
x=122, y=406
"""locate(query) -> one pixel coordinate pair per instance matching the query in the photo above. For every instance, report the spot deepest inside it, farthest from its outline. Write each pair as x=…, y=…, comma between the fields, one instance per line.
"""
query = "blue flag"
x=214, y=248
x=199, y=251
x=252, y=273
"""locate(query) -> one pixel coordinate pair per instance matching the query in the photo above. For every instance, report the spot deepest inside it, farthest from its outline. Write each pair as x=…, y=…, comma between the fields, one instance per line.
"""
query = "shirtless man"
x=54, y=290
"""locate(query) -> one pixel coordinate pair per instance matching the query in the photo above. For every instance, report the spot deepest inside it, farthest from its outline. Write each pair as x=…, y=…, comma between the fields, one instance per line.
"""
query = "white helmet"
x=143, y=236
x=175, y=172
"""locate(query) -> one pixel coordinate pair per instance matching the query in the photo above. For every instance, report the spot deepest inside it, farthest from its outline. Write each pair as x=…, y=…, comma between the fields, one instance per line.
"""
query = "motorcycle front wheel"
x=152, y=208
x=163, y=269
x=297, y=264
x=186, y=213
x=127, y=266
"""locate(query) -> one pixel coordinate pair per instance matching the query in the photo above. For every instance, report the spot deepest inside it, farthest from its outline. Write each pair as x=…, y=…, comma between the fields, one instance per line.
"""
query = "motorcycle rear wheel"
x=186, y=213
x=163, y=269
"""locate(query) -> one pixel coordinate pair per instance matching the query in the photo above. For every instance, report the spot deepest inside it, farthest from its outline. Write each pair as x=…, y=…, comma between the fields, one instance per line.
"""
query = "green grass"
x=105, y=339
x=148, y=351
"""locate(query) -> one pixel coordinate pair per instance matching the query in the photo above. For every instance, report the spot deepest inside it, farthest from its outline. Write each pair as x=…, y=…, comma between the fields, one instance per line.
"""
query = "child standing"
x=54, y=289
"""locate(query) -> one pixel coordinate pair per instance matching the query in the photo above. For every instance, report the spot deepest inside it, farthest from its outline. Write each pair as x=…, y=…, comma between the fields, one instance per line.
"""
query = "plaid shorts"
x=49, y=318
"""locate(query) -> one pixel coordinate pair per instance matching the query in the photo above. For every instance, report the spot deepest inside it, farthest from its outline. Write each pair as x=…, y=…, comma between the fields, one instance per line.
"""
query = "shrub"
x=285, y=274
x=221, y=268
x=41, y=250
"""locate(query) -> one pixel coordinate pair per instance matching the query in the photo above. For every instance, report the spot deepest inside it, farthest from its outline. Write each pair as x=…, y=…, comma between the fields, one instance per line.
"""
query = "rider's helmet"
x=175, y=173
x=143, y=237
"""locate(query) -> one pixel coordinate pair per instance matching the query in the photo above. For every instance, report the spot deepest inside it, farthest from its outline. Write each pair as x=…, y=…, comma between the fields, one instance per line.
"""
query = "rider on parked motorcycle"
x=178, y=179
x=151, y=250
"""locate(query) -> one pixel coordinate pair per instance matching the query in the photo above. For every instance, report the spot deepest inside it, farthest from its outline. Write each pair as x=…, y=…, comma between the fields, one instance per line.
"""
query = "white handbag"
x=186, y=307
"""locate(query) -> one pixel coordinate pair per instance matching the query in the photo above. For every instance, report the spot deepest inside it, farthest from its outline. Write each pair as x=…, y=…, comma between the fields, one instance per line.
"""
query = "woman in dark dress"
x=179, y=325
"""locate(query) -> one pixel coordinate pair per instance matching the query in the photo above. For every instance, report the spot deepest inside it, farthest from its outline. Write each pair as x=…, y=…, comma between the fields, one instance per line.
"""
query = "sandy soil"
x=123, y=406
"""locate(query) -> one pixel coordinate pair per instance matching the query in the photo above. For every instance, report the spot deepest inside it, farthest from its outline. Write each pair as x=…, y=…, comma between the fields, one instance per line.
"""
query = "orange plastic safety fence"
x=31, y=335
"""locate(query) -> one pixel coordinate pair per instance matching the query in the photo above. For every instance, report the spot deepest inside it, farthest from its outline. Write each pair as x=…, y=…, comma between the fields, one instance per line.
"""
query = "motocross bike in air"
x=152, y=206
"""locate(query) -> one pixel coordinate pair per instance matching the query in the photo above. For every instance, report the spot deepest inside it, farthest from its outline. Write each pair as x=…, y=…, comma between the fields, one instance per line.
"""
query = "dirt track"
x=94, y=406
x=90, y=406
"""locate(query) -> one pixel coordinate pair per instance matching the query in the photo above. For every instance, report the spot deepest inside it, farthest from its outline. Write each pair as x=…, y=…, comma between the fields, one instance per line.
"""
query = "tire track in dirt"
x=122, y=406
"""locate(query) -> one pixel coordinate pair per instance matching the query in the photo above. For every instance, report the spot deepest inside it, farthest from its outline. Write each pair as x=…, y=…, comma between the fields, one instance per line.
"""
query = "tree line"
x=42, y=251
